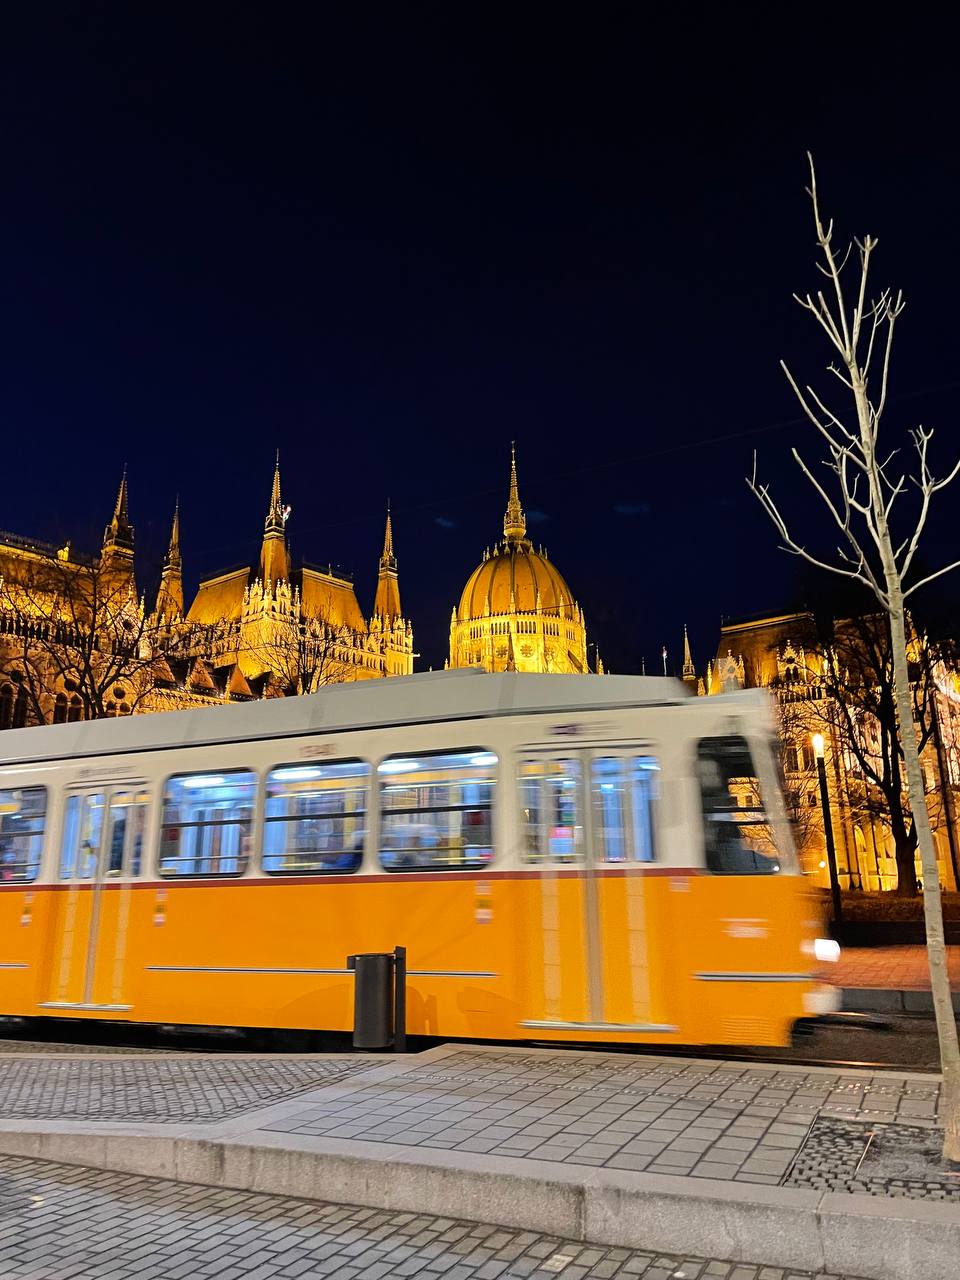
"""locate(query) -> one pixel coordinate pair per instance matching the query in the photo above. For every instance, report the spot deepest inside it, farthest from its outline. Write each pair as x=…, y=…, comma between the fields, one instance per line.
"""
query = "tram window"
x=625, y=789
x=436, y=811
x=737, y=834
x=82, y=833
x=128, y=819
x=315, y=817
x=551, y=810
x=22, y=814
x=206, y=824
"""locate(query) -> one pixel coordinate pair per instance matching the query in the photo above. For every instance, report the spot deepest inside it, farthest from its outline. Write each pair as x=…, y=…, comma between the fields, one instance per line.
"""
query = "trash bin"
x=379, y=999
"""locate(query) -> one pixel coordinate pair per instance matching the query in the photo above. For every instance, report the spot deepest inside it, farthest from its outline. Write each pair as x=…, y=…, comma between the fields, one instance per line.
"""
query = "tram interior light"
x=485, y=757
x=299, y=774
x=199, y=781
x=397, y=766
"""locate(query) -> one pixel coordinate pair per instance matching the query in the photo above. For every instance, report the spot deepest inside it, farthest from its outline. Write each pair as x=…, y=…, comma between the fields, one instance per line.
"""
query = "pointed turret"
x=386, y=606
x=119, y=532
x=514, y=521
x=689, y=671
x=117, y=550
x=274, y=561
x=170, y=595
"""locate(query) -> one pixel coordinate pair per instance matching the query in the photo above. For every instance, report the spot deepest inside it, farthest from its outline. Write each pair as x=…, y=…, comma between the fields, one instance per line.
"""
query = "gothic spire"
x=274, y=562
x=274, y=518
x=689, y=671
x=173, y=551
x=170, y=595
x=119, y=532
x=386, y=606
x=514, y=521
x=388, y=560
x=117, y=552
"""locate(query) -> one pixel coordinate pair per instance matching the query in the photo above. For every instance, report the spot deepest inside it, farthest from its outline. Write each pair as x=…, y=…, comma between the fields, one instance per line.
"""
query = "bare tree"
x=857, y=706
x=861, y=493
x=306, y=654
x=74, y=637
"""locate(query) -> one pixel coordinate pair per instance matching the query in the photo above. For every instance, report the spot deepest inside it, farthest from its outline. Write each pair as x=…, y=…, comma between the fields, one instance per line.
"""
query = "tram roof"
x=423, y=698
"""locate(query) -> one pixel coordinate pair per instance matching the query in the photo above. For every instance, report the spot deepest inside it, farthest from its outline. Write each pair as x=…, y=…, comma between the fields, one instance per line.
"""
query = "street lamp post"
x=818, y=746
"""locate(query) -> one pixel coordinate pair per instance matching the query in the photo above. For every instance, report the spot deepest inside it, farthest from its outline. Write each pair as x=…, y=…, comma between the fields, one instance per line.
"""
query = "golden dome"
x=516, y=612
x=514, y=579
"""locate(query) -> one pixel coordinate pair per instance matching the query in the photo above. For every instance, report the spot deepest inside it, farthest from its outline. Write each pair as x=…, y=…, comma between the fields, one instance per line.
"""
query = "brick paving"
x=65, y=1223
x=731, y=1121
x=158, y=1088
x=892, y=968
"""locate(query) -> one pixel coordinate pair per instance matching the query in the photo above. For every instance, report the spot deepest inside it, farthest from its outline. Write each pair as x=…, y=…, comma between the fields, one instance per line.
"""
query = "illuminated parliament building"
x=78, y=639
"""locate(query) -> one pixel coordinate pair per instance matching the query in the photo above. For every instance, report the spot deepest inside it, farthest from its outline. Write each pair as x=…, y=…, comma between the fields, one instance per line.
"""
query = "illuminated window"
x=315, y=818
x=625, y=789
x=436, y=811
x=207, y=823
x=737, y=835
x=128, y=820
x=22, y=815
x=552, y=810
x=82, y=835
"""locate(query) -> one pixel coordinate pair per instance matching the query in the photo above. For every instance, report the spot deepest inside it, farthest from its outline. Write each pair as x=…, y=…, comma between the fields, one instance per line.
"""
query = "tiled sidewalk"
x=703, y=1119
x=61, y=1221
x=891, y=968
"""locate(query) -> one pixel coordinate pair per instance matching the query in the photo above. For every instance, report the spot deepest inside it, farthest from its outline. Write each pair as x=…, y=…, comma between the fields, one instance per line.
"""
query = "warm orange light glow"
x=818, y=745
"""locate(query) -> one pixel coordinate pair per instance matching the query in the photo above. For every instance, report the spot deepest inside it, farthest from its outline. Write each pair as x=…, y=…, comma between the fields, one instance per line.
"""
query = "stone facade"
x=785, y=654
x=78, y=640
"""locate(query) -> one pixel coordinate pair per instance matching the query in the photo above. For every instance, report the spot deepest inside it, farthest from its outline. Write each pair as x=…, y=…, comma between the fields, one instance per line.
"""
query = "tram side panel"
x=273, y=953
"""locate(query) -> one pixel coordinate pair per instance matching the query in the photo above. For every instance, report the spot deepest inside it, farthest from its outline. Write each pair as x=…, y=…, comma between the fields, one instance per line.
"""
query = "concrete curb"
x=880, y=1239
x=889, y=1000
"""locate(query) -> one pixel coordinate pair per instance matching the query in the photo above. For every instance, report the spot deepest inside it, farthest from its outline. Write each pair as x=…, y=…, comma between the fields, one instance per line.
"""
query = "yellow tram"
x=564, y=858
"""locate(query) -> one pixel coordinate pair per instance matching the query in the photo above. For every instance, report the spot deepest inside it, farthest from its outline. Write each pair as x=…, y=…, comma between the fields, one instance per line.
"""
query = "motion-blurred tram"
x=564, y=857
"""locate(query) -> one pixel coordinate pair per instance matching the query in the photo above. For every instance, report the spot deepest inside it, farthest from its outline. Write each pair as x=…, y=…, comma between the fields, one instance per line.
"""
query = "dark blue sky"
x=390, y=239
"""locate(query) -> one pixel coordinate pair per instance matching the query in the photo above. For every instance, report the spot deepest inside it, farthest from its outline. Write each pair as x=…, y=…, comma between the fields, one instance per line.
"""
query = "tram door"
x=100, y=855
x=588, y=829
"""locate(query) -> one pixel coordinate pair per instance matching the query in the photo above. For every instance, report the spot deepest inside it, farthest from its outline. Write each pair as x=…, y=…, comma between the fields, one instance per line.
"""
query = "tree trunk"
x=932, y=904
x=905, y=843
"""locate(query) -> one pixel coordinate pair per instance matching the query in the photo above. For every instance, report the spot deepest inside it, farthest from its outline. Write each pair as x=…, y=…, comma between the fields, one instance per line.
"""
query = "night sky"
x=388, y=240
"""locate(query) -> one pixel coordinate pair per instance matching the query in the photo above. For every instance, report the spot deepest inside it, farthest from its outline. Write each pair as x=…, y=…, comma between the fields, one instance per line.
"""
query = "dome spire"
x=514, y=521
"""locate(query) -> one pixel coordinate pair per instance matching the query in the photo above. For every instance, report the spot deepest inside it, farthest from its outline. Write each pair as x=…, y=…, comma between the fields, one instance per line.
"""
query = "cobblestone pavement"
x=158, y=1087
x=885, y=1160
x=55, y=1046
x=674, y=1116
x=58, y=1221
x=894, y=968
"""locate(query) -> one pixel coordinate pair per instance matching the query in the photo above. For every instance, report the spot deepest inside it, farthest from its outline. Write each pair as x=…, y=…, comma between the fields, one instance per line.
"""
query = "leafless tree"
x=853, y=701
x=861, y=487
x=306, y=654
x=74, y=639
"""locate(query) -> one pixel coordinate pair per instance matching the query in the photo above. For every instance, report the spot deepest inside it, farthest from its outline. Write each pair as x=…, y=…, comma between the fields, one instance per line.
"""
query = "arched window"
x=20, y=708
x=60, y=709
x=6, y=706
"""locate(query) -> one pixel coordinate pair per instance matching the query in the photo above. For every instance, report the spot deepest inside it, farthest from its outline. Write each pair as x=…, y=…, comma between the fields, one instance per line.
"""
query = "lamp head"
x=818, y=745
